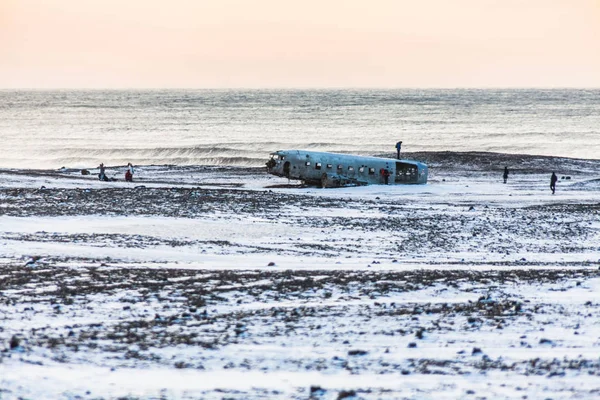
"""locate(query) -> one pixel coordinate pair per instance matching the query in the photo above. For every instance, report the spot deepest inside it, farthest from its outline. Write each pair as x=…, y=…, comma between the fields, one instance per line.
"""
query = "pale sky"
x=299, y=43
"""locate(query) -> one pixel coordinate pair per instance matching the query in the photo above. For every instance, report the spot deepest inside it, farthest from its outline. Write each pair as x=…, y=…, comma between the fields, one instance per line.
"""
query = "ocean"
x=82, y=128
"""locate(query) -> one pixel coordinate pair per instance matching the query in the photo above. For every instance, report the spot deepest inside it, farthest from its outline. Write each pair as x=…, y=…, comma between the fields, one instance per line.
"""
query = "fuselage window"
x=329, y=166
x=318, y=165
x=350, y=168
x=307, y=163
x=340, y=167
x=371, y=171
x=361, y=169
x=282, y=157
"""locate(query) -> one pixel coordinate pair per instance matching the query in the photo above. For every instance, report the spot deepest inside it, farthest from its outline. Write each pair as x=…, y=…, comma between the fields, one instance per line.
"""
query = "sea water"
x=77, y=129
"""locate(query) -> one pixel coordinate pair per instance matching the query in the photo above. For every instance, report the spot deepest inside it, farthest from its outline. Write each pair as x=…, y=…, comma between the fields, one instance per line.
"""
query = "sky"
x=299, y=44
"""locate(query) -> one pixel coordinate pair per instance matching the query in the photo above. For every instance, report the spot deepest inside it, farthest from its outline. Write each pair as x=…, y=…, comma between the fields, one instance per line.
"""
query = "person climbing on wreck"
x=398, y=147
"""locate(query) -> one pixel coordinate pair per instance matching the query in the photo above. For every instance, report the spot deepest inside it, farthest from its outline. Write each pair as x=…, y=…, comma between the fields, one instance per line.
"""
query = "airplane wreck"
x=336, y=170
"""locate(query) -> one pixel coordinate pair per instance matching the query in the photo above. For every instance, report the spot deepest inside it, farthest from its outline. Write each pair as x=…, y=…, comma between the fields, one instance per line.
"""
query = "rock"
x=180, y=365
x=271, y=264
x=85, y=172
x=357, y=352
x=476, y=350
x=556, y=373
x=412, y=345
x=32, y=261
x=317, y=390
x=14, y=342
x=344, y=394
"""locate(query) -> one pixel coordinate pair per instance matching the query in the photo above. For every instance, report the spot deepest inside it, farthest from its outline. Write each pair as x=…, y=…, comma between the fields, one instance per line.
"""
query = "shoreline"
x=439, y=158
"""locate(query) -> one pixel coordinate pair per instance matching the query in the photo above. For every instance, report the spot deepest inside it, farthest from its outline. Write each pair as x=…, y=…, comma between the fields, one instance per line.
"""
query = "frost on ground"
x=102, y=331
x=199, y=282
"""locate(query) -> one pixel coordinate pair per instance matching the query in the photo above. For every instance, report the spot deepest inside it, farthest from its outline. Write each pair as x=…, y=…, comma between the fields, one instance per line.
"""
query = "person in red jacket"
x=129, y=173
x=386, y=176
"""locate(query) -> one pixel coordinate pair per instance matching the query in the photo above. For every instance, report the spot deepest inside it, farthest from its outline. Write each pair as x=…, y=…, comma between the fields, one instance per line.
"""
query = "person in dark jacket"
x=398, y=147
x=102, y=175
x=505, y=176
x=553, y=180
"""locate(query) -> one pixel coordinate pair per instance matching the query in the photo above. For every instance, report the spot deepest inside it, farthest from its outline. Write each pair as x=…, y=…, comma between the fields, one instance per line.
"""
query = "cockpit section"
x=278, y=164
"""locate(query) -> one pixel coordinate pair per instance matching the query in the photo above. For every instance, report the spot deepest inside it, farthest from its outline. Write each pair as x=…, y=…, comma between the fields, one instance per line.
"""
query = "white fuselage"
x=333, y=169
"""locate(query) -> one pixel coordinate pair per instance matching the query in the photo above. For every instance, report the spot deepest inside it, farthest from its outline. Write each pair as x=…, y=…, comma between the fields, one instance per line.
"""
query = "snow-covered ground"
x=200, y=282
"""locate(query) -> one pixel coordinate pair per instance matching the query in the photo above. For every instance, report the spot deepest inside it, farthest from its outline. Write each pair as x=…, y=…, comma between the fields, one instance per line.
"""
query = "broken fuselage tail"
x=335, y=170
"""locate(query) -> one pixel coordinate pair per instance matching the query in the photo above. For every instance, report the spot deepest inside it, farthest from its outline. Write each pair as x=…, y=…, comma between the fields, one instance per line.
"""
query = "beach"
x=226, y=282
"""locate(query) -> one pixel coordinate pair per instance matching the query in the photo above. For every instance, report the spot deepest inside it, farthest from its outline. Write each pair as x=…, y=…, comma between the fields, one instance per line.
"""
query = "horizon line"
x=275, y=88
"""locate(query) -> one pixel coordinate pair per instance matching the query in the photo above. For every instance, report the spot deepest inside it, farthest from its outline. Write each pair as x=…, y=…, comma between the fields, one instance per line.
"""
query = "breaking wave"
x=241, y=155
x=115, y=160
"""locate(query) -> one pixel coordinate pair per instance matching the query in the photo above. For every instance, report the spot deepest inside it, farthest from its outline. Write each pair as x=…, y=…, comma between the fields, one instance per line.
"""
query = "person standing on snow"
x=102, y=174
x=386, y=176
x=505, y=176
x=553, y=180
x=129, y=173
x=130, y=168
